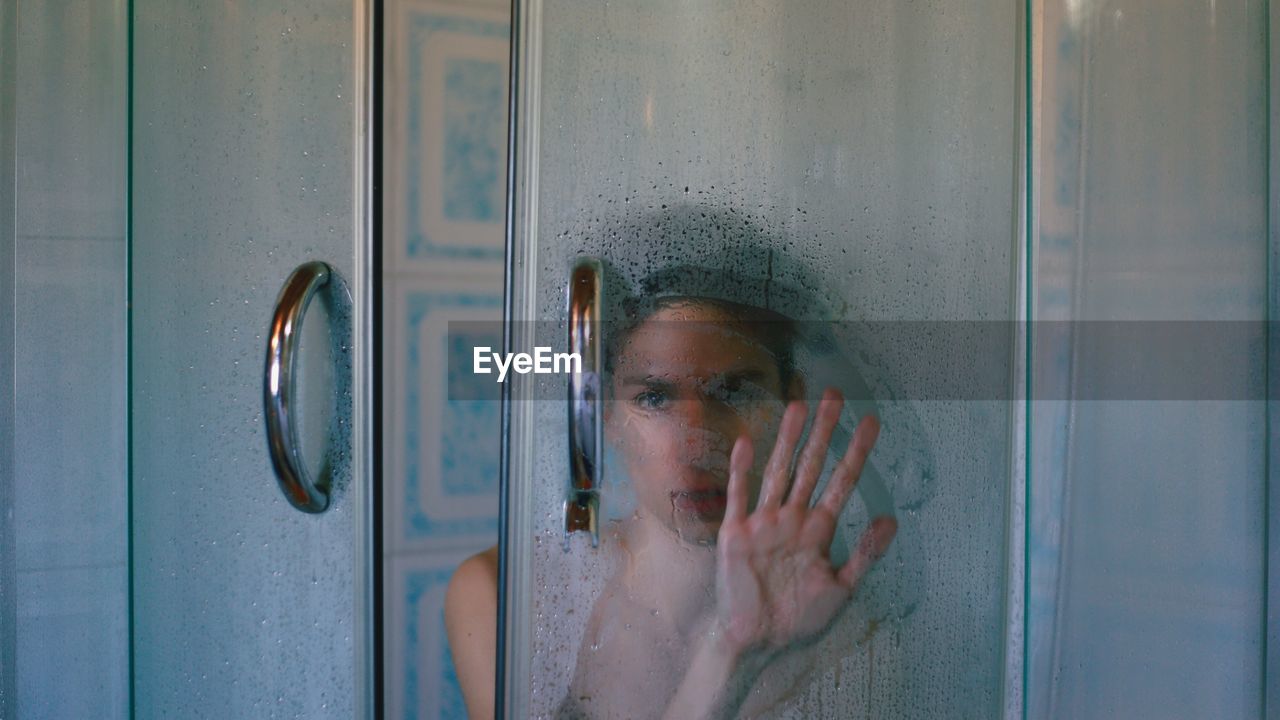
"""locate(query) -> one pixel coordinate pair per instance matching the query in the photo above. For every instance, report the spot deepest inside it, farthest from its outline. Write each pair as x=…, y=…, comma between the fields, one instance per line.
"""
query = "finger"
x=871, y=546
x=740, y=460
x=778, y=471
x=814, y=455
x=845, y=475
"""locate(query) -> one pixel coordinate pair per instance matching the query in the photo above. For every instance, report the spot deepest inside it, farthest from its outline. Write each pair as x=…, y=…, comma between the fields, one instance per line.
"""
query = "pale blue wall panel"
x=70, y=495
x=1148, y=517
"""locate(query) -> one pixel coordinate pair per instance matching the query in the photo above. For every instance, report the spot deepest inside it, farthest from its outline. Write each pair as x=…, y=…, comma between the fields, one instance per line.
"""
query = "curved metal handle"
x=582, y=507
x=302, y=491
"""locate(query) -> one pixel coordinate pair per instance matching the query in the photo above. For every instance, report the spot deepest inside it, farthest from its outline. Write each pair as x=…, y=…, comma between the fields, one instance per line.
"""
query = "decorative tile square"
x=444, y=453
x=421, y=681
x=449, y=114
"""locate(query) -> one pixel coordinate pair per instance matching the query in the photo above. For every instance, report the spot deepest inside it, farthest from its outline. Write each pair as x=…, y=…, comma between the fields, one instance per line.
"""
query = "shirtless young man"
x=725, y=564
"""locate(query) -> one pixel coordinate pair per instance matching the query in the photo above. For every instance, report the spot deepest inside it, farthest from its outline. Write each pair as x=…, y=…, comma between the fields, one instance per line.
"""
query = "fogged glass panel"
x=64, y=577
x=783, y=198
x=243, y=169
x=1147, y=526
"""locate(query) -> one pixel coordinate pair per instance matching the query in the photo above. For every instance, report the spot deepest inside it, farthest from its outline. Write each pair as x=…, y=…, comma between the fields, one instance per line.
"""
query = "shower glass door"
x=1148, y=544
x=854, y=167
x=248, y=160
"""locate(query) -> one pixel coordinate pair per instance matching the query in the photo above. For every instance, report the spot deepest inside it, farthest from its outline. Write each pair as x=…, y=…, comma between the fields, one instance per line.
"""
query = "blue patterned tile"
x=456, y=134
x=428, y=645
x=475, y=139
x=424, y=684
x=469, y=461
x=455, y=497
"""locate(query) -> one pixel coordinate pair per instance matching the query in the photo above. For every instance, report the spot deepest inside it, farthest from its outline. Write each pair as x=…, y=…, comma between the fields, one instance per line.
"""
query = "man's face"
x=687, y=383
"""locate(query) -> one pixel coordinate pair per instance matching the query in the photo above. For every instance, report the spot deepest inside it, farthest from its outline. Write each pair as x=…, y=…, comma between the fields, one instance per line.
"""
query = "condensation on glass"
x=246, y=164
x=865, y=155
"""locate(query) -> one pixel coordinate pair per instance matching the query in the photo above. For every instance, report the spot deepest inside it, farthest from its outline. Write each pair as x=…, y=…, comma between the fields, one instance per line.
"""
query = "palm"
x=775, y=584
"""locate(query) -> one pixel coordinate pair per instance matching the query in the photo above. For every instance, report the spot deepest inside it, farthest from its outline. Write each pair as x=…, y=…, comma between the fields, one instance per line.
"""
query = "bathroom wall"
x=69, y=485
x=445, y=163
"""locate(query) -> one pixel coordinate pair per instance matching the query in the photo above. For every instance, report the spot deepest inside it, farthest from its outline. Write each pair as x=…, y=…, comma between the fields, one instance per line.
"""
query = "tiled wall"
x=445, y=151
x=70, y=489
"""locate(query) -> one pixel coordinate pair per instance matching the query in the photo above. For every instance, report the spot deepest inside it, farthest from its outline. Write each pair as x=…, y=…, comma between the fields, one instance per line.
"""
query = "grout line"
x=71, y=568
x=56, y=238
x=449, y=550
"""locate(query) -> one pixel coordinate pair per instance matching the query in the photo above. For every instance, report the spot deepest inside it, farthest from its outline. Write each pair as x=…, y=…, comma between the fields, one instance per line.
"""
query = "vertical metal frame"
x=366, y=403
x=1271, y=526
x=373, y=94
x=515, y=490
x=1025, y=236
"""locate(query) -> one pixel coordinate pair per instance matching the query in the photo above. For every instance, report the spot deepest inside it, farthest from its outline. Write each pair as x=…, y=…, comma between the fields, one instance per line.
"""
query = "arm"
x=776, y=589
x=717, y=681
x=471, y=620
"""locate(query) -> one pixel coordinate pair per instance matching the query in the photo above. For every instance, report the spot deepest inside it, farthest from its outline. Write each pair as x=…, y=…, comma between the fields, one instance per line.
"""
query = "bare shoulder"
x=476, y=578
x=472, y=597
x=471, y=621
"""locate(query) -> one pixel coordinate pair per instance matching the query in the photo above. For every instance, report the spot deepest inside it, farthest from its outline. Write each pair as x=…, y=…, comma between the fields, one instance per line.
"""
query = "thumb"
x=872, y=545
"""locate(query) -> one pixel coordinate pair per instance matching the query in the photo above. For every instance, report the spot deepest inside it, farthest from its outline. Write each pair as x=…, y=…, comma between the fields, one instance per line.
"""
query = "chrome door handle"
x=304, y=492
x=582, y=506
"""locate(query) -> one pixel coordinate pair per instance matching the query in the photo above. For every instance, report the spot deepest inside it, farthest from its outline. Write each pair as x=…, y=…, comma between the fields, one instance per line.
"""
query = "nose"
x=707, y=412
x=707, y=424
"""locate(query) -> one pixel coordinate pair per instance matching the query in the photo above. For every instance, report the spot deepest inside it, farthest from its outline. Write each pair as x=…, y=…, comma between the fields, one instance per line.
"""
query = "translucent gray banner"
x=912, y=360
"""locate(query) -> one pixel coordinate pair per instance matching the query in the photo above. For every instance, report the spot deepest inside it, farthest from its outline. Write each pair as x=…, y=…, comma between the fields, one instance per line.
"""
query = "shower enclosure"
x=1041, y=237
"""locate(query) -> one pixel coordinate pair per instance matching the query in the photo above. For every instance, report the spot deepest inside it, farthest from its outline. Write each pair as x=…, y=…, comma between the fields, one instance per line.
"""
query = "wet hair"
x=774, y=332
x=740, y=266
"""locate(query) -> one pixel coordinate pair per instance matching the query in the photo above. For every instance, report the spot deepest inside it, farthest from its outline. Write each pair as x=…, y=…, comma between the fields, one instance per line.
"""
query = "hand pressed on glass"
x=776, y=588
x=775, y=584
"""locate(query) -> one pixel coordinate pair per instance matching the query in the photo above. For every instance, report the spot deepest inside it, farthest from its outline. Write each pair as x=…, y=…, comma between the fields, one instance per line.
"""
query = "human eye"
x=651, y=399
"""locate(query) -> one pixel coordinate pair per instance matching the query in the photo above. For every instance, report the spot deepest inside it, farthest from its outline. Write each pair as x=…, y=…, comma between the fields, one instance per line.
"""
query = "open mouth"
x=707, y=503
